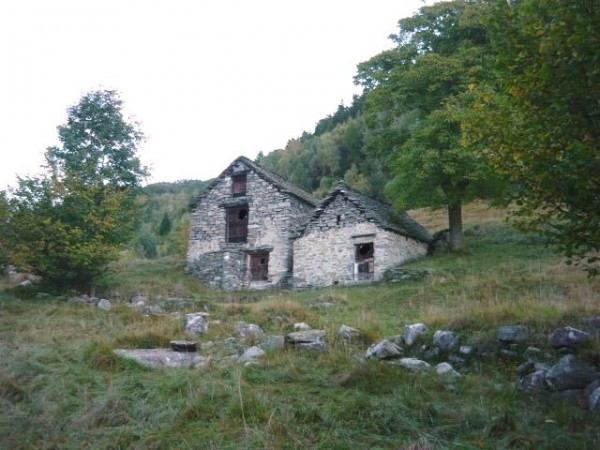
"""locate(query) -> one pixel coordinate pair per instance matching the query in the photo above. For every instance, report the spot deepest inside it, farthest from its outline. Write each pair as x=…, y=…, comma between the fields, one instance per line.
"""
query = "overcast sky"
x=207, y=80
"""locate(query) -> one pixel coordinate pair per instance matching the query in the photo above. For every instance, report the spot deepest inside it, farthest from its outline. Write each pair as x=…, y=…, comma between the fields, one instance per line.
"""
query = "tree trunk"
x=456, y=228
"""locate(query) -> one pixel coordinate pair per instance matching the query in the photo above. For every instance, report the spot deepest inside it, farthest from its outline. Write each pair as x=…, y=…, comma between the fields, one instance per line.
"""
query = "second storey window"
x=237, y=223
x=239, y=185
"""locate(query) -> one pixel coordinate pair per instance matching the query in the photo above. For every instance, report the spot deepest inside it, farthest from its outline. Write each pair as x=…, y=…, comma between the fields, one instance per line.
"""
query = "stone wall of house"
x=272, y=219
x=325, y=254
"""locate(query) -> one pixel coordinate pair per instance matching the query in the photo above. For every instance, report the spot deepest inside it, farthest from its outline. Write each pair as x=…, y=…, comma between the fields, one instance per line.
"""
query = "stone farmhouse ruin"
x=252, y=229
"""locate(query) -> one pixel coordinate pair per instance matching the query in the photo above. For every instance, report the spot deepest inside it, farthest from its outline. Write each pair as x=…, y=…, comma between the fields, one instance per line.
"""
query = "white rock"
x=252, y=354
x=104, y=304
x=250, y=331
x=348, y=333
x=196, y=323
x=384, y=350
x=301, y=326
x=414, y=364
x=412, y=332
x=446, y=371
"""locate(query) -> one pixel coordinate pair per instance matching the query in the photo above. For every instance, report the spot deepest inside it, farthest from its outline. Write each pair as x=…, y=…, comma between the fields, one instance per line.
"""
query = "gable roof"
x=276, y=180
x=375, y=211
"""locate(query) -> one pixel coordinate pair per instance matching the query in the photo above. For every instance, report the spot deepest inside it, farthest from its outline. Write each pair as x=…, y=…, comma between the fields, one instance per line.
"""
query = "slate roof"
x=375, y=211
x=276, y=180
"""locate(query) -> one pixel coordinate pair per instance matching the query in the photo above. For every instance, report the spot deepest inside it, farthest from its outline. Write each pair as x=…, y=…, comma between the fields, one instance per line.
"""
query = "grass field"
x=62, y=386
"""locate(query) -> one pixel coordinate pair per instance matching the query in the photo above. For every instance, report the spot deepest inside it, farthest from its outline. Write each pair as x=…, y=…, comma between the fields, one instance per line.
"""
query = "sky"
x=207, y=80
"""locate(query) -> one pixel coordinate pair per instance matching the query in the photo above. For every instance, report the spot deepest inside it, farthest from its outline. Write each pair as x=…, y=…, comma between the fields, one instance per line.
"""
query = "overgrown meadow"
x=62, y=386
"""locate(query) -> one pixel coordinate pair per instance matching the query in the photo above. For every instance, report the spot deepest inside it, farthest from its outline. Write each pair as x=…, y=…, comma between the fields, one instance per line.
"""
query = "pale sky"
x=207, y=80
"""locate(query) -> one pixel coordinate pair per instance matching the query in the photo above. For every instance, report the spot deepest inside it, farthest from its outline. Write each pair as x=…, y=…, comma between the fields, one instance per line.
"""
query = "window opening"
x=259, y=266
x=364, y=263
x=239, y=185
x=237, y=224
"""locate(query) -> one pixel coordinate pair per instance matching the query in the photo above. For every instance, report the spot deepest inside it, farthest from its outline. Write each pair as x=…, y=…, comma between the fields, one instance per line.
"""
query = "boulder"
x=446, y=341
x=305, y=337
x=535, y=381
x=570, y=373
x=567, y=337
x=252, y=354
x=593, y=396
x=513, y=334
x=196, y=323
x=104, y=304
x=384, y=350
x=412, y=332
x=163, y=357
x=249, y=331
x=301, y=326
x=152, y=310
x=413, y=364
x=347, y=333
x=446, y=371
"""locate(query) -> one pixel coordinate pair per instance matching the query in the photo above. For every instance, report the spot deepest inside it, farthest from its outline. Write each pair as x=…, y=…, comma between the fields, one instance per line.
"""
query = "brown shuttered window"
x=237, y=224
x=239, y=185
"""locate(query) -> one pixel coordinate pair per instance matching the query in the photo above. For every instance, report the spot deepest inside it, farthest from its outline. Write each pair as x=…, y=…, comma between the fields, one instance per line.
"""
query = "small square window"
x=239, y=185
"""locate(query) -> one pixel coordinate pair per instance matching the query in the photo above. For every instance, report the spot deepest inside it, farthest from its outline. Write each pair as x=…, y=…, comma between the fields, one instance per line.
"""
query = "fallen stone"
x=570, y=373
x=593, y=396
x=513, y=334
x=196, y=323
x=384, y=350
x=252, y=354
x=348, y=333
x=567, y=337
x=412, y=332
x=413, y=364
x=184, y=346
x=535, y=381
x=248, y=331
x=164, y=357
x=305, y=337
x=446, y=371
x=104, y=304
x=301, y=326
x=152, y=310
x=446, y=341
x=466, y=350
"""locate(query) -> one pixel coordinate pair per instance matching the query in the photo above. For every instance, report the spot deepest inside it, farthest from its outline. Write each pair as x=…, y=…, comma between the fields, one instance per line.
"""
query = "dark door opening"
x=364, y=262
x=237, y=224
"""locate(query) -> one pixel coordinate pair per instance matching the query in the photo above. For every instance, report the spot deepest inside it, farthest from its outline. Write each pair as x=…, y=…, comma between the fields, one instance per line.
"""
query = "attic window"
x=237, y=224
x=239, y=185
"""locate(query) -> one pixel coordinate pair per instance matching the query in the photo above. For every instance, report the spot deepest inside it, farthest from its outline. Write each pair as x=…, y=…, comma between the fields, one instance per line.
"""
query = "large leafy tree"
x=71, y=222
x=539, y=123
x=416, y=93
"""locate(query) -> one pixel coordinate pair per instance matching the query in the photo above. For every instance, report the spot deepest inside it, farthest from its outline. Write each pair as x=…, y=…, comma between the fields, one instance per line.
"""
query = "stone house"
x=253, y=229
x=243, y=226
x=353, y=238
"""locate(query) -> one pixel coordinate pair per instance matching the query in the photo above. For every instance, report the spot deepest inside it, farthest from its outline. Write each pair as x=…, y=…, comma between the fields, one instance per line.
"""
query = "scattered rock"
x=593, y=396
x=412, y=332
x=535, y=381
x=413, y=364
x=446, y=341
x=104, y=304
x=513, y=334
x=570, y=373
x=466, y=350
x=252, y=354
x=301, y=326
x=348, y=333
x=152, y=310
x=567, y=337
x=249, y=331
x=384, y=350
x=184, y=346
x=163, y=357
x=307, y=340
x=446, y=371
x=532, y=353
x=196, y=323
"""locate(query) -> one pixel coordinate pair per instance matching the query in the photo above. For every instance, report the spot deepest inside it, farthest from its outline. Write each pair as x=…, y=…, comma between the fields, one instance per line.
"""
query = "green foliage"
x=415, y=94
x=4, y=231
x=69, y=224
x=165, y=225
x=538, y=122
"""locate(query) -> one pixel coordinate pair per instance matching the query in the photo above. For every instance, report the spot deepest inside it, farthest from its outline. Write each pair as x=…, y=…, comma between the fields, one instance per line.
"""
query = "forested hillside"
x=165, y=218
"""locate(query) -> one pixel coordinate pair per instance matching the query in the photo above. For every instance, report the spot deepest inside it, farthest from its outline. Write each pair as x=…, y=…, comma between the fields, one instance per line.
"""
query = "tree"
x=165, y=225
x=539, y=121
x=71, y=222
x=415, y=96
x=4, y=231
